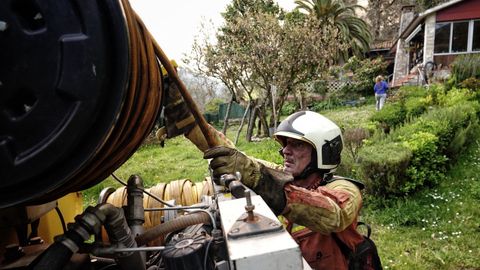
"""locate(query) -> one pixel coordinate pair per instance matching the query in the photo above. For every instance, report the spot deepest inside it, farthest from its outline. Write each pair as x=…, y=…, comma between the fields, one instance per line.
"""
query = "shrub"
x=328, y=104
x=460, y=140
x=417, y=152
x=390, y=116
x=453, y=119
x=353, y=139
x=466, y=66
x=288, y=108
x=471, y=83
x=427, y=165
x=412, y=91
x=455, y=96
x=415, y=107
x=383, y=167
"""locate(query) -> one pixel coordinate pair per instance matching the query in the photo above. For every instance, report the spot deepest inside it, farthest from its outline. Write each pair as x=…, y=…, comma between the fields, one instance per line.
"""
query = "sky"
x=175, y=23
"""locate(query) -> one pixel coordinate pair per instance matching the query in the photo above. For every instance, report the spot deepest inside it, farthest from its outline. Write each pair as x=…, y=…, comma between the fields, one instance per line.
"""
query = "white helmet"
x=317, y=130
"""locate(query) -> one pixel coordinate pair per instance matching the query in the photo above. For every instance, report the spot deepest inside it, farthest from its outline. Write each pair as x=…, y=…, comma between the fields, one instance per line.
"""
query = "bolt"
x=3, y=26
x=248, y=197
x=249, y=207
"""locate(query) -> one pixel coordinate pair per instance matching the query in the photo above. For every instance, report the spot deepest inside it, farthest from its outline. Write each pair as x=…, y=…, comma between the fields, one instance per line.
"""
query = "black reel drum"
x=63, y=78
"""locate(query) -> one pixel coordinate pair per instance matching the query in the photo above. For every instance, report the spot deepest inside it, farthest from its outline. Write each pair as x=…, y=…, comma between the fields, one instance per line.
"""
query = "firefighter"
x=320, y=209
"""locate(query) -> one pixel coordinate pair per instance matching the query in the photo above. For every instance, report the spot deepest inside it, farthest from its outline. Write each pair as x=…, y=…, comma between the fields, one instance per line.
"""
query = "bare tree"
x=202, y=88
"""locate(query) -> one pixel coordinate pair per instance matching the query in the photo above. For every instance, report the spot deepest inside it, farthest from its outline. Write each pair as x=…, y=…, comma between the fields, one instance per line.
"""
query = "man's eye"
x=297, y=144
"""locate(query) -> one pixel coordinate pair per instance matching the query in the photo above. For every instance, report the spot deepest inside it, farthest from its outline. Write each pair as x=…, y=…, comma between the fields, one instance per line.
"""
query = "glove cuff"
x=178, y=118
x=271, y=188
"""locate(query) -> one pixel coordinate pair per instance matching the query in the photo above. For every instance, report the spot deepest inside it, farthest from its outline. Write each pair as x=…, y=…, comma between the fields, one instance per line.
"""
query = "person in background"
x=380, y=88
x=321, y=209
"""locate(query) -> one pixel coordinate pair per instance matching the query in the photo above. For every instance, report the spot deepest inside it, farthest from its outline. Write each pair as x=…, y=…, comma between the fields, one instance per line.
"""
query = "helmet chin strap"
x=312, y=167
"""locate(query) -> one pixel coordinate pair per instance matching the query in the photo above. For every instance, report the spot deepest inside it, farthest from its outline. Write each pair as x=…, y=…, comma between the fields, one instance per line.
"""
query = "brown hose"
x=139, y=110
x=171, y=226
x=202, y=123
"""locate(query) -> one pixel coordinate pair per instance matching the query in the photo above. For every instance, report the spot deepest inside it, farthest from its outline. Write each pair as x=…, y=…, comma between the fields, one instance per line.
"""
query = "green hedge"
x=390, y=116
x=407, y=103
x=417, y=153
x=382, y=166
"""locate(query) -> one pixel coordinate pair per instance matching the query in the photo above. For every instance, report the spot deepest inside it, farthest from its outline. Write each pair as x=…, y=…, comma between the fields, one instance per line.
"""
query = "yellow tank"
x=50, y=224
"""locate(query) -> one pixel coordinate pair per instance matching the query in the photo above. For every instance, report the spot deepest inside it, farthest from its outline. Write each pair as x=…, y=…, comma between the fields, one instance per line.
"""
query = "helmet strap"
x=312, y=167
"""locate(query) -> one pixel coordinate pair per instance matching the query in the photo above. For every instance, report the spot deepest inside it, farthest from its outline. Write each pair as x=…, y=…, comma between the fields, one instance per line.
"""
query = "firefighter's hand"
x=227, y=160
x=178, y=118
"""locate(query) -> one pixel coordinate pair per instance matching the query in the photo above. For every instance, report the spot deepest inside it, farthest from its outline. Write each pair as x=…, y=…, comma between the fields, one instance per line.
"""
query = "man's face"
x=297, y=155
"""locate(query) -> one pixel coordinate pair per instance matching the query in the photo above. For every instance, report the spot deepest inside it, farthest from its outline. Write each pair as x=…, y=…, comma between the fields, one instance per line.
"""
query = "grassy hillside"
x=437, y=228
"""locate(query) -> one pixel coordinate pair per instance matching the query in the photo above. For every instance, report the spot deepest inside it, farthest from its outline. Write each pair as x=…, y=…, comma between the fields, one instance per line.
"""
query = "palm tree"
x=351, y=27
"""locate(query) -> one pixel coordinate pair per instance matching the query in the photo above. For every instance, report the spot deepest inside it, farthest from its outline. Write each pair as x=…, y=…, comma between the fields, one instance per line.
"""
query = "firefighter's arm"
x=329, y=208
x=267, y=182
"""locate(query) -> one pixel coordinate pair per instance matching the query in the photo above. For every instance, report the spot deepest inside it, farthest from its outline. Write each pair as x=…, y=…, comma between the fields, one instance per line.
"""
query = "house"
x=431, y=40
x=382, y=48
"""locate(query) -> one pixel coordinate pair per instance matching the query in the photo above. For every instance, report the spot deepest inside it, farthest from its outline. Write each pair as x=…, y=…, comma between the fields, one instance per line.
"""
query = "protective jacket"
x=316, y=210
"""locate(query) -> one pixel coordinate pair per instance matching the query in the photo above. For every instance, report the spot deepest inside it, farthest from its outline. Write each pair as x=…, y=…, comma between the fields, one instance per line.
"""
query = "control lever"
x=236, y=188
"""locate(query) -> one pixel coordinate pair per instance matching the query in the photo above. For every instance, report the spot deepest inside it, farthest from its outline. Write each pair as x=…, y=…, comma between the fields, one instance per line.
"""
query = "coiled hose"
x=140, y=109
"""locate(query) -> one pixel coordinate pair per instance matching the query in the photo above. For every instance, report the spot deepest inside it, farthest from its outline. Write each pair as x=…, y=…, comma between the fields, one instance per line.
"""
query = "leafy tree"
x=263, y=55
x=363, y=73
x=352, y=29
x=383, y=16
x=426, y=4
x=242, y=8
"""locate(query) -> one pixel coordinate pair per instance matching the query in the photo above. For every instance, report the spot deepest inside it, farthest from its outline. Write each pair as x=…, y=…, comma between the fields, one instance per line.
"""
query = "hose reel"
x=80, y=89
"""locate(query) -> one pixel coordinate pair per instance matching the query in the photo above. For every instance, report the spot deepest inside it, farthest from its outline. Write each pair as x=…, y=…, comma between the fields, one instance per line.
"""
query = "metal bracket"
x=251, y=223
x=260, y=224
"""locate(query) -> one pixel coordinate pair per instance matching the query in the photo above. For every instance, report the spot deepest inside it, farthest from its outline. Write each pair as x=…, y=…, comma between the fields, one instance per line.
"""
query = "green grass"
x=349, y=117
x=178, y=159
x=437, y=228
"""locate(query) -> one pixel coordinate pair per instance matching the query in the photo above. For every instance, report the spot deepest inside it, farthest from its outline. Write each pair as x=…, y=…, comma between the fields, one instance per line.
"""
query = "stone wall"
x=429, y=38
x=401, y=56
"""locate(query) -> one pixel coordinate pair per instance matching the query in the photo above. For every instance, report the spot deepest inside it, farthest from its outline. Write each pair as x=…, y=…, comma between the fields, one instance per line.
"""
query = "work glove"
x=178, y=118
x=267, y=182
x=227, y=160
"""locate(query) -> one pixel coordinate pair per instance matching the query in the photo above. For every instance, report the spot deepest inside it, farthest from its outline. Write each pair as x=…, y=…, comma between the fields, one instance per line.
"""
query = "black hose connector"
x=120, y=234
x=89, y=223
x=134, y=209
